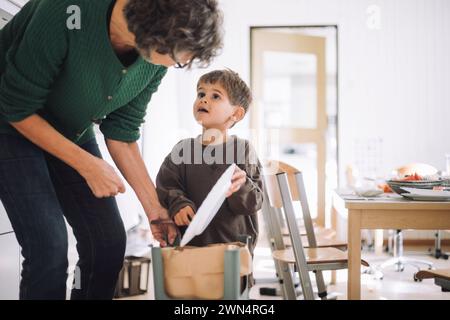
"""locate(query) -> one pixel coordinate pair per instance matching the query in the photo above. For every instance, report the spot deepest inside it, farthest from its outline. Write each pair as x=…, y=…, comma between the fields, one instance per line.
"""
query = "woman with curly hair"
x=64, y=65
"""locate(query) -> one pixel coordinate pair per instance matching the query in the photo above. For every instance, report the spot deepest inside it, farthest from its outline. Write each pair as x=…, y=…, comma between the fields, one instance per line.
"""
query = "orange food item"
x=385, y=187
x=413, y=177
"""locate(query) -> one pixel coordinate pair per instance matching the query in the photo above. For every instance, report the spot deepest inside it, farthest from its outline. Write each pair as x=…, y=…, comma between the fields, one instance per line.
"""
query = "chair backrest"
x=295, y=191
x=271, y=169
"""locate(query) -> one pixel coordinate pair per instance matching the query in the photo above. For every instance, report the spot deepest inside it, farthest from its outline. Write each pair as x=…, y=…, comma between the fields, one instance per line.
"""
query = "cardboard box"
x=197, y=272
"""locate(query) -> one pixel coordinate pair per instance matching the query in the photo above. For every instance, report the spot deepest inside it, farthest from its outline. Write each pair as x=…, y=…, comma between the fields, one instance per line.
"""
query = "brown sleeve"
x=170, y=187
x=248, y=199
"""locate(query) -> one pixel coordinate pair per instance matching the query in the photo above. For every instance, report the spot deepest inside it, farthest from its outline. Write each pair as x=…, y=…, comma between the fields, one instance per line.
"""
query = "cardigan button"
x=124, y=71
x=109, y=98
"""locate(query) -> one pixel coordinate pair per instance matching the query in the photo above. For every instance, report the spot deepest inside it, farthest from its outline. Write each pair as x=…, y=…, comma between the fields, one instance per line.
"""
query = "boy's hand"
x=237, y=180
x=184, y=216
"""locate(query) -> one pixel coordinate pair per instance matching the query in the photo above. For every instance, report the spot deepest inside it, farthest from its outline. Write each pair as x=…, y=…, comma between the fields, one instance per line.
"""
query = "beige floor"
x=394, y=286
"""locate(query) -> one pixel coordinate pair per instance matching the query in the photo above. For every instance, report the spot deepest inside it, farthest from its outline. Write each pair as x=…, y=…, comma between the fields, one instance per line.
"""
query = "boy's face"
x=213, y=109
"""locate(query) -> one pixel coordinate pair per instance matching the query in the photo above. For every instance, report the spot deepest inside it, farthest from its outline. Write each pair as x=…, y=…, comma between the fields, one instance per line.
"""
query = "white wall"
x=392, y=80
x=394, y=77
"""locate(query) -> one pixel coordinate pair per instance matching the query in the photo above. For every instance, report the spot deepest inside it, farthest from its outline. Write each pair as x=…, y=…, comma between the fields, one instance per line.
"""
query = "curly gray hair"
x=173, y=26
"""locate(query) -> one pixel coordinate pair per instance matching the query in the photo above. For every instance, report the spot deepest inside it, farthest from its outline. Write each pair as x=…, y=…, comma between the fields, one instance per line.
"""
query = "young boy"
x=192, y=168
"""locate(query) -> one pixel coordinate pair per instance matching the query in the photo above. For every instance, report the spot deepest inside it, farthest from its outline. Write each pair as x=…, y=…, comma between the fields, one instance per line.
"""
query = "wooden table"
x=385, y=213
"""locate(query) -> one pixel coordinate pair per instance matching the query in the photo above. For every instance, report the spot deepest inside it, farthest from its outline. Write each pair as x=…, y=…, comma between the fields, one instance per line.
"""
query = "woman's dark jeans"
x=38, y=191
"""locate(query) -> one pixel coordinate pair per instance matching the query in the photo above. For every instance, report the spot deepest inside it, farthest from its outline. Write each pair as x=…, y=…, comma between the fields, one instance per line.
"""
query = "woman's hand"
x=163, y=228
x=237, y=180
x=184, y=216
x=102, y=178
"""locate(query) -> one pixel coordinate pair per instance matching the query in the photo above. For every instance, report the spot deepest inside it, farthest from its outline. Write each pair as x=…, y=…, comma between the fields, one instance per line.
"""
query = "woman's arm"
x=128, y=159
x=99, y=175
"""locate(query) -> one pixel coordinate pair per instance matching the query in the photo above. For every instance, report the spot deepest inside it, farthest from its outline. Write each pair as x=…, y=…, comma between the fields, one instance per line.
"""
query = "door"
x=289, y=117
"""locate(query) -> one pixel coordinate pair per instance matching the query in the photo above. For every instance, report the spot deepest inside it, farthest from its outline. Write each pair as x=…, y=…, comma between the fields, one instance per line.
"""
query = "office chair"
x=437, y=250
x=399, y=261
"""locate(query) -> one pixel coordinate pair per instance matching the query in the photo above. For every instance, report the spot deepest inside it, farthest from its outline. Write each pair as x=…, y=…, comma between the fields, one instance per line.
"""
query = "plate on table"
x=399, y=186
x=419, y=197
x=209, y=206
x=426, y=194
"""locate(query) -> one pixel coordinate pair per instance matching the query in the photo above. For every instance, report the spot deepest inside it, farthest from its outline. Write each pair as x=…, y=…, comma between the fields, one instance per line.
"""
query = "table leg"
x=354, y=255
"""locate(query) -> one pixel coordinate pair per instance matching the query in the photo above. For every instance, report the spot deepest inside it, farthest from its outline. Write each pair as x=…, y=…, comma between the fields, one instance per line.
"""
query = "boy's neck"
x=212, y=136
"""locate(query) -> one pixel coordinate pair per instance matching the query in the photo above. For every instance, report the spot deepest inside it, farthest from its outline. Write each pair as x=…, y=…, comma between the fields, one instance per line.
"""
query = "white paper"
x=209, y=207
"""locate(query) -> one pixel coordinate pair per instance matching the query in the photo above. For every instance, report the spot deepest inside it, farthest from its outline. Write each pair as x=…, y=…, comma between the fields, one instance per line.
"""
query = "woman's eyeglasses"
x=179, y=65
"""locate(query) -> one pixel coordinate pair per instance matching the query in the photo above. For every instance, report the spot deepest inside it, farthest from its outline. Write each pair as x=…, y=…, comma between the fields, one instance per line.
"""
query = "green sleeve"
x=124, y=123
x=34, y=59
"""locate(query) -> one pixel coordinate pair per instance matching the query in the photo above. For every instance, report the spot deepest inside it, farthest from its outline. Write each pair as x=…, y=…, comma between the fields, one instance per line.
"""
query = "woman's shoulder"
x=68, y=10
x=51, y=12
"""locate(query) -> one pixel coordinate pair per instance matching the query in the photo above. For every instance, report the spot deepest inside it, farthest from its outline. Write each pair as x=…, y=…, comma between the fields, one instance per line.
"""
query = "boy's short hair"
x=237, y=90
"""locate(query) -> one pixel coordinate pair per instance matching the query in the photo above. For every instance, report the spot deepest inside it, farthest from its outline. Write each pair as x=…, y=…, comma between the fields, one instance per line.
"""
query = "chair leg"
x=414, y=262
x=158, y=275
x=309, y=230
x=297, y=247
x=321, y=287
x=393, y=262
x=287, y=282
x=231, y=275
x=284, y=274
x=437, y=251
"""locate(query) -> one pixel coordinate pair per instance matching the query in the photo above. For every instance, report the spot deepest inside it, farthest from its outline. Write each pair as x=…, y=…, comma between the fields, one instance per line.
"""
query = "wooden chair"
x=321, y=242
x=324, y=237
x=284, y=184
x=441, y=277
x=318, y=231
